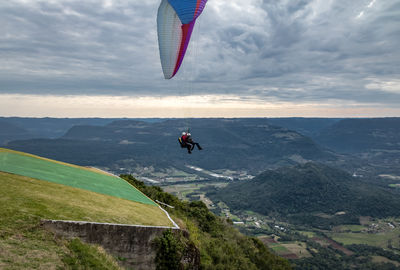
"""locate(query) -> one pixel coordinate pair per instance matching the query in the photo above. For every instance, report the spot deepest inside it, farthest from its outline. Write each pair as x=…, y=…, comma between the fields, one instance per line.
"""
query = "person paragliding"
x=175, y=23
x=187, y=142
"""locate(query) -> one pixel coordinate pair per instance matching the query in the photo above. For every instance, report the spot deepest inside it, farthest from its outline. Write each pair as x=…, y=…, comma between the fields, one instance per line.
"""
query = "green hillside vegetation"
x=221, y=245
x=24, y=244
x=309, y=194
x=25, y=201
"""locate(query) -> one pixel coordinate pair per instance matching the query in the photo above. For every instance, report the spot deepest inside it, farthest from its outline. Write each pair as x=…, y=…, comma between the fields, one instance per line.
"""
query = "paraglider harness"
x=186, y=142
x=181, y=142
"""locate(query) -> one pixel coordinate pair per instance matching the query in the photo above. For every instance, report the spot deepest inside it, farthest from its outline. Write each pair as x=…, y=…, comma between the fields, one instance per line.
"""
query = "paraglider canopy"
x=175, y=22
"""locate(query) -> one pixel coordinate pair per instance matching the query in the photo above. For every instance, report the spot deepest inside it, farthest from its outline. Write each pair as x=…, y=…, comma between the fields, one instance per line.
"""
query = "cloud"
x=75, y=46
x=275, y=51
x=180, y=107
x=384, y=85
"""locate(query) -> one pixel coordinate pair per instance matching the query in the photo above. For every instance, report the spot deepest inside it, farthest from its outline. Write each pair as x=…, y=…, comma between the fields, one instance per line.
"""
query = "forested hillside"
x=309, y=194
x=221, y=246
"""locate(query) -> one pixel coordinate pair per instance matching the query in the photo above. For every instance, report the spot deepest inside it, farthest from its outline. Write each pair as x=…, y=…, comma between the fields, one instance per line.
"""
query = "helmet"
x=183, y=133
x=189, y=134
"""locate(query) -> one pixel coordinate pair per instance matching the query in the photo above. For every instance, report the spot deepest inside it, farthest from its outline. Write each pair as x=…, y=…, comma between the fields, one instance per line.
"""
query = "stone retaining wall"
x=131, y=242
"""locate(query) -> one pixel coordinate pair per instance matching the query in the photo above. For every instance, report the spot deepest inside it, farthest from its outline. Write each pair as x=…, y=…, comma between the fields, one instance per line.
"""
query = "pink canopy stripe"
x=187, y=30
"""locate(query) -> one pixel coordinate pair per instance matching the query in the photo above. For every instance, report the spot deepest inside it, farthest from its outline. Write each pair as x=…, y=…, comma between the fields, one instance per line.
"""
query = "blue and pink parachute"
x=175, y=22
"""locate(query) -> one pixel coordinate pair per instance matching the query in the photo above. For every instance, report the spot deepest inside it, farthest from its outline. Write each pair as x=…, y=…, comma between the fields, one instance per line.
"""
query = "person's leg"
x=198, y=146
x=189, y=147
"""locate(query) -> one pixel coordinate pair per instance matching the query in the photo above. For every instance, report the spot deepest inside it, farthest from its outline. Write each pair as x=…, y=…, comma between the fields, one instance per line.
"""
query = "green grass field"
x=298, y=248
x=42, y=199
x=35, y=188
x=70, y=175
x=25, y=245
x=350, y=228
x=278, y=248
x=308, y=234
x=378, y=239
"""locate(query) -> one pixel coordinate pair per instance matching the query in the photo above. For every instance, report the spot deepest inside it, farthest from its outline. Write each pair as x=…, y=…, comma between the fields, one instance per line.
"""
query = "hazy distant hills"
x=347, y=135
x=361, y=135
x=48, y=127
x=9, y=132
x=311, y=194
x=228, y=143
x=307, y=126
x=251, y=144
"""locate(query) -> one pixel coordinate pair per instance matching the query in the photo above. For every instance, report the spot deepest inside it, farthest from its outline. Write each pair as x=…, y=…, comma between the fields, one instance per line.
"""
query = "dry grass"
x=97, y=170
x=25, y=201
x=373, y=239
x=300, y=249
x=380, y=259
x=23, y=253
x=55, y=201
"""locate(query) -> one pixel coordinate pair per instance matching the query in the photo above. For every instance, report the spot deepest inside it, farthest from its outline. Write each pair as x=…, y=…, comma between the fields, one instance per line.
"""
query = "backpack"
x=181, y=142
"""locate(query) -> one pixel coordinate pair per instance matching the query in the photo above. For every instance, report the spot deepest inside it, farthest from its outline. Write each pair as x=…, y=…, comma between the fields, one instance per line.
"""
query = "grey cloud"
x=296, y=51
x=76, y=47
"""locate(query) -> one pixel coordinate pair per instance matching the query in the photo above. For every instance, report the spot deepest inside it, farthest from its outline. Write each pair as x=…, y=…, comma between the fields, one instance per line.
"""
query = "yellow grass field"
x=23, y=195
x=298, y=248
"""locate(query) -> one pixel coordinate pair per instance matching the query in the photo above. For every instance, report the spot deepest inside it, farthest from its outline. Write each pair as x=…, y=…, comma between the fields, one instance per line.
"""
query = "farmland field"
x=183, y=190
x=380, y=259
x=308, y=234
x=373, y=239
x=298, y=248
x=349, y=228
x=290, y=250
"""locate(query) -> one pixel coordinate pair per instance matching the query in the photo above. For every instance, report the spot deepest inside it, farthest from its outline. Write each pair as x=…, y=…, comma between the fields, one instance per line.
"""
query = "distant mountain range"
x=48, y=127
x=41, y=127
x=361, y=135
x=366, y=146
x=10, y=131
x=310, y=127
x=249, y=144
x=311, y=193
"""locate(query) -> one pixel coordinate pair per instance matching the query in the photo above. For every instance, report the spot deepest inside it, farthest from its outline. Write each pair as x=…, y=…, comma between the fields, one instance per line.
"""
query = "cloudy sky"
x=264, y=58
